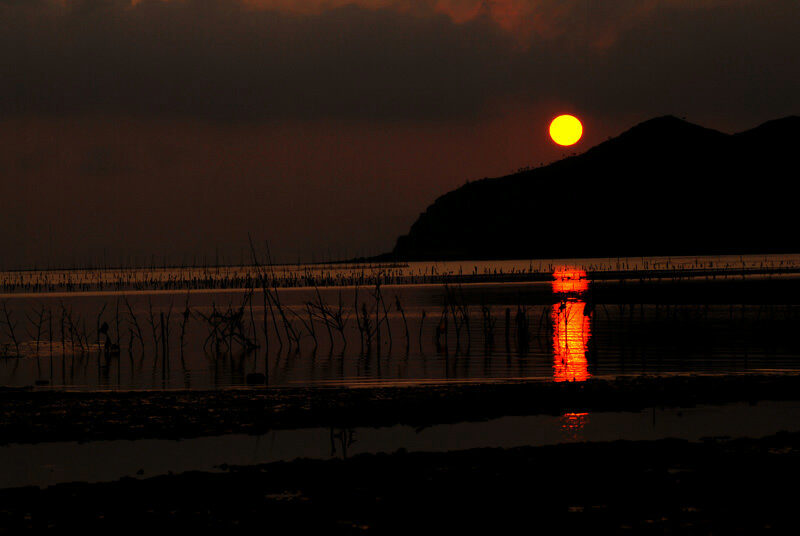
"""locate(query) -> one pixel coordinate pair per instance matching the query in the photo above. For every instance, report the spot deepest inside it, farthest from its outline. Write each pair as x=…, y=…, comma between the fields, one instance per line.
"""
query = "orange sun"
x=566, y=130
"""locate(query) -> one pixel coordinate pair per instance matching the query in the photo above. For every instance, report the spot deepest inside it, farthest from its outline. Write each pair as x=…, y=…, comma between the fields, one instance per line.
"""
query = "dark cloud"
x=218, y=60
x=727, y=67
x=221, y=60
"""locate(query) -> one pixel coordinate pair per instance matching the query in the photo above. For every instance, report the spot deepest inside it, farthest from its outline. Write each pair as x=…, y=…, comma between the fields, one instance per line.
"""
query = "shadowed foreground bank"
x=658, y=487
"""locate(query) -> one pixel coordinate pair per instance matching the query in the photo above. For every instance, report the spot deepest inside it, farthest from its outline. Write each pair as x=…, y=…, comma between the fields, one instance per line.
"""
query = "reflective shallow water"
x=564, y=328
x=51, y=463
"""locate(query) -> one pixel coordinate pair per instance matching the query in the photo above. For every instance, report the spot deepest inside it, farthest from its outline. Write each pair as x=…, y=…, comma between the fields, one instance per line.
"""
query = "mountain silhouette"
x=664, y=187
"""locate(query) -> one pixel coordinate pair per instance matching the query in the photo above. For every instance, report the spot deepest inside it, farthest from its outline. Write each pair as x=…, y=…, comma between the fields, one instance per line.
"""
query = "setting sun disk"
x=566, y=130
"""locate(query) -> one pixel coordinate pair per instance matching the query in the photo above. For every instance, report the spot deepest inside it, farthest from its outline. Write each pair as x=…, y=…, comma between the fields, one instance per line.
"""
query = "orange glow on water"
x=570, y=280
x=572, y=424
x=571, y=332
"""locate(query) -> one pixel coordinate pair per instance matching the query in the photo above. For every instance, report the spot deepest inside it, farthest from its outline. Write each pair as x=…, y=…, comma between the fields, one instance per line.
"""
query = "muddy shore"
x=741, y=486
x=29, y=416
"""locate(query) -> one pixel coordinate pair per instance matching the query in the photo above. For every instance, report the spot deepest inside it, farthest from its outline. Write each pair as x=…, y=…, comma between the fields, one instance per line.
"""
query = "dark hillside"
x=664, y=187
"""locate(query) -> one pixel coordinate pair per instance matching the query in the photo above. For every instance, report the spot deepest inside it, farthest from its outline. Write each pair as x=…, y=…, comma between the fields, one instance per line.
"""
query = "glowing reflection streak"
x=572, y=425
x=570, y=281
x=571, y=332
x=571, y=326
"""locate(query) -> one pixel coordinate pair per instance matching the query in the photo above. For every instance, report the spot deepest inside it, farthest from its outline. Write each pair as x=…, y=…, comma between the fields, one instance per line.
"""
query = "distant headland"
x=664, y=187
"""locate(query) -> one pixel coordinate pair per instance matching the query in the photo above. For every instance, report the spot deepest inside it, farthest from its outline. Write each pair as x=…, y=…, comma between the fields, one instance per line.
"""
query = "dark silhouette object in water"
x=110, y=349
x=488, y=327
x=441, y=333
x=523, y=336
x=508, y=330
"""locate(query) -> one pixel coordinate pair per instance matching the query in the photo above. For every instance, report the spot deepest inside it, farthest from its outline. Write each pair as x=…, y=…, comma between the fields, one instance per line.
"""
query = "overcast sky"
x=171, y=129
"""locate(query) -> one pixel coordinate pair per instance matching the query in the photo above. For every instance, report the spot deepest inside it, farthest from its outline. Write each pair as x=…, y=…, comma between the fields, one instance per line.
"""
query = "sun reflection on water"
x=569, y=280
x=571, y=319
x=572, y=425
x=571, y=334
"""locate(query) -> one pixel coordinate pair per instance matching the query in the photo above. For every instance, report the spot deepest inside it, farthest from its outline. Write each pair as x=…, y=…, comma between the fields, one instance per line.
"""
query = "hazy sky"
x=170, y=129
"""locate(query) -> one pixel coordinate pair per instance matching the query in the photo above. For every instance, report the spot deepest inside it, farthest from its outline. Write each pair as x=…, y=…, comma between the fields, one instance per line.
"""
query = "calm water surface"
x=551, y=328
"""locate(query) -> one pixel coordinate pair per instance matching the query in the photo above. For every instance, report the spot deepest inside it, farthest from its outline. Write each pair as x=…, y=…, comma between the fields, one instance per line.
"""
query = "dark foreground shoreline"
x=742, y=486
x=670, y=486
x=46, y=416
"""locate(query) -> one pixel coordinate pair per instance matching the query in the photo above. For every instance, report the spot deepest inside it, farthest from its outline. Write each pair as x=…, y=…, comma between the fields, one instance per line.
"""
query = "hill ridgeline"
x=664, y=187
